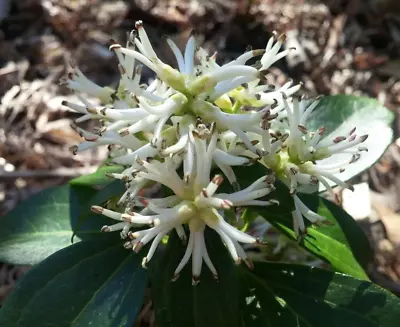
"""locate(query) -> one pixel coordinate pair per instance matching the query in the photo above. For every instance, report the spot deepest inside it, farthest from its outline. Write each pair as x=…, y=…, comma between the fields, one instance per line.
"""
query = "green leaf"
x=109, y=193
x=292, y=295
x=333, y=244
x=340, y=113
x=210, y=303
x=344, y=245
x=44, y=224
x=89, y=283
x=97, y=178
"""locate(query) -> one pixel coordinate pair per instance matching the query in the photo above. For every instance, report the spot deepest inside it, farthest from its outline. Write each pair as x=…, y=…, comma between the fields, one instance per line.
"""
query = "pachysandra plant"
x=190, y=128
x=194, y=119
x=185, y=109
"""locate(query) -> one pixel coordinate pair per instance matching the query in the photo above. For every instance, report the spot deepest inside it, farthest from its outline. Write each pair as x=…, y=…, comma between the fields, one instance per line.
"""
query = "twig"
x=59, y=172
x=333, y=40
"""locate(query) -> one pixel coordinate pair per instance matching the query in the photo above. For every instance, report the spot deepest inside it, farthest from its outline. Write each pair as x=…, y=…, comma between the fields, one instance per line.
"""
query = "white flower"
x=207, y=90
x=295, y=156
x=195, y=203
x=192, y=119
x=79, y=82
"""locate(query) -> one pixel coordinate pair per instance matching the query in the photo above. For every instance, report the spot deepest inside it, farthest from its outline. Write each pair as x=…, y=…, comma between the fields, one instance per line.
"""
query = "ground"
x=349, y=47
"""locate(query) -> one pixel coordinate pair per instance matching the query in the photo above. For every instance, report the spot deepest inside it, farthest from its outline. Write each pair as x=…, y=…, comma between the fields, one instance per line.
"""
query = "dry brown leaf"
x=391, y=221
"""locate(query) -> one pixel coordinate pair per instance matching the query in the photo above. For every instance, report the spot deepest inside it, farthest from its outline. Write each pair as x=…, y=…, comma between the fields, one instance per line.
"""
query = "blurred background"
x=349, y=47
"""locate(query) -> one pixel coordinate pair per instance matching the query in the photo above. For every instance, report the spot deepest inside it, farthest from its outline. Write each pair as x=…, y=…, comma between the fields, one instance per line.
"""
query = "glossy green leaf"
x=292, y=295
x=97, y=178
x=208, y=304
x=44, y=224
x=91, y=283
x=344, y=245
x=330, y=243
x=340, y=113
x=110, y=193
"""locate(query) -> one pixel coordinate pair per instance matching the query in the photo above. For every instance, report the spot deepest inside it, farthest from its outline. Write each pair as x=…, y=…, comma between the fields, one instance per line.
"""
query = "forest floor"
x=348, y=47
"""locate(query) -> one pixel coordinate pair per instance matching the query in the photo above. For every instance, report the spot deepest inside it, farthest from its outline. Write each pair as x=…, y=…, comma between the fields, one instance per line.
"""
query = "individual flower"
x=297, y=156
x=195, y=203
x=79, y=82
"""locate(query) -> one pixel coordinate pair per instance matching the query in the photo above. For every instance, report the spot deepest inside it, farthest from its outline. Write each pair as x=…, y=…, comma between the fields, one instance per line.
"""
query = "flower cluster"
x=188, y=121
